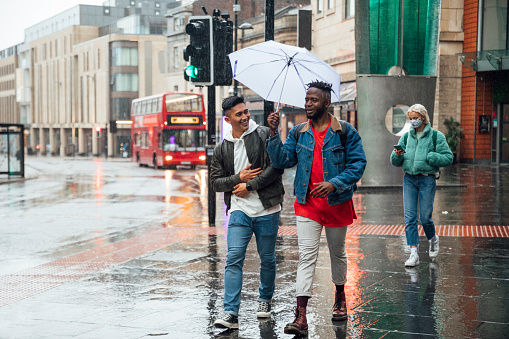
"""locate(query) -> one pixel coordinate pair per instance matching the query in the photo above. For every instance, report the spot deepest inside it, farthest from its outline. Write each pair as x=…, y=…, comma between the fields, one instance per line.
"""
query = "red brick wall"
x=469, y=114
x=468, y=81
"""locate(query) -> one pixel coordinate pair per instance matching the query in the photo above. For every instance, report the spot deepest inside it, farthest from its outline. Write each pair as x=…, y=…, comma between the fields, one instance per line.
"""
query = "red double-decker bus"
x=169, y=129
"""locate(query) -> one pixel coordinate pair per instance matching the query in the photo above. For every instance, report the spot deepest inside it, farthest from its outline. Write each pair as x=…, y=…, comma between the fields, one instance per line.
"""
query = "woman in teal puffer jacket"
x=421, y=160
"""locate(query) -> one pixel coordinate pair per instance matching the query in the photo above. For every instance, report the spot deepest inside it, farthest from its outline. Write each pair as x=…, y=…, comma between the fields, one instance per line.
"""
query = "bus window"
x=183, y=140
x=159, y=104
x=179, y=102
x=154, y=106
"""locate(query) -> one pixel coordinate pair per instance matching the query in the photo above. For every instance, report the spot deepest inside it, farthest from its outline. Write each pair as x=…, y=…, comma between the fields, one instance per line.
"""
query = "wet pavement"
x=104, y=249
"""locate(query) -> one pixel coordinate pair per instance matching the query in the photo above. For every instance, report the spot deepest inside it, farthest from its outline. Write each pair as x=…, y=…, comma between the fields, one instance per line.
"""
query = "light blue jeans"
x=418, y=189
x=240, y=230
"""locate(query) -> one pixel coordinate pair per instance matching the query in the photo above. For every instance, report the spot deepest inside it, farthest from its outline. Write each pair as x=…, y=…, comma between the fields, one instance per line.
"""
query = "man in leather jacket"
x=253, y=192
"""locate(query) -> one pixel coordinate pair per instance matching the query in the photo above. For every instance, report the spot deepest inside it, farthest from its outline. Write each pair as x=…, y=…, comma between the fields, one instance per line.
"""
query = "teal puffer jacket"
x=419, y=157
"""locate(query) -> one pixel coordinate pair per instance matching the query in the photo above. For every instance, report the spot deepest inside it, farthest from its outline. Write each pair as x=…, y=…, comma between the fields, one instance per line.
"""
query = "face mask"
x=416, y=123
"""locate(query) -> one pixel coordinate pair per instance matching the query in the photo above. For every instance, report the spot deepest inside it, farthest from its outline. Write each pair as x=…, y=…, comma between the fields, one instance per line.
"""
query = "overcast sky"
x=16, y=15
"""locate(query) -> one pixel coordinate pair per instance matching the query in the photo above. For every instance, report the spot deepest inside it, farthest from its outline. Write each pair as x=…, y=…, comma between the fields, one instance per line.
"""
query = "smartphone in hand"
x=398, y=147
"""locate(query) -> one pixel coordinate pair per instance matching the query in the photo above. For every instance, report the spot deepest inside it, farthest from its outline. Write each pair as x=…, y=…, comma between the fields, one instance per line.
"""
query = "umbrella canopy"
x=279, y=72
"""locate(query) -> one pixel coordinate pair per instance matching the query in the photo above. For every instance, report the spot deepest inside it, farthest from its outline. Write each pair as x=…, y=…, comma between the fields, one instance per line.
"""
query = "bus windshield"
x=183, y=140
x=182, y=102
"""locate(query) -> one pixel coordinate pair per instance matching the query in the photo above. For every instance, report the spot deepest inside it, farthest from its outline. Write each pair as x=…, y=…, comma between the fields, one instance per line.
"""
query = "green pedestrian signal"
x=192, y=71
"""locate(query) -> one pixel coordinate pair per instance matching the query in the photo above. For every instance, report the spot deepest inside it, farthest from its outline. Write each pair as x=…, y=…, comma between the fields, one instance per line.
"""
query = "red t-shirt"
x=318, y=209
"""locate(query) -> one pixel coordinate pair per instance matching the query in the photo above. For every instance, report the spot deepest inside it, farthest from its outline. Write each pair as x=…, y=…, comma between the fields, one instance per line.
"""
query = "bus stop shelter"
x=12, y=156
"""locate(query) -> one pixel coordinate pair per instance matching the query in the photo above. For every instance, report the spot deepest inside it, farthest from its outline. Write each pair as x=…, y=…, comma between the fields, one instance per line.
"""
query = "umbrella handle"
x=277, y=110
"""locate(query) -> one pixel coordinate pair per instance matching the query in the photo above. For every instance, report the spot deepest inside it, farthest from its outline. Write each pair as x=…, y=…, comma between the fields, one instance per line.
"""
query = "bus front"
x=184, y=133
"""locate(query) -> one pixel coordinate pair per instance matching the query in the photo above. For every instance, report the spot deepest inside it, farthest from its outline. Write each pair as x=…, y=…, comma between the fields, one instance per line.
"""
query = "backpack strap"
x=297, y=131
x=342, y=133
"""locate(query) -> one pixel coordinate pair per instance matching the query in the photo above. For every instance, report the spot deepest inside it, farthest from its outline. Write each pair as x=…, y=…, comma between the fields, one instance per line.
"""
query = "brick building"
x=485, y=82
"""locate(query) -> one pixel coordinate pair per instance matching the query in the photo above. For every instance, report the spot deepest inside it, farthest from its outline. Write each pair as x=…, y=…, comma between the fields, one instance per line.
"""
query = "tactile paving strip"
x=26, y=283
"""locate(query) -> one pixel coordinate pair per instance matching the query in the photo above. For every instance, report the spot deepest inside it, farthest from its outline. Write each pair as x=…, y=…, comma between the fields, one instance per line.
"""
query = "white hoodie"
x=251, y=204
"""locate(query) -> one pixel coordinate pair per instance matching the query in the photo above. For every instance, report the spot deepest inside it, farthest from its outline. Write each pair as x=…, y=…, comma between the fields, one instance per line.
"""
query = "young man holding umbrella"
x=330, y=161
x=253, y=191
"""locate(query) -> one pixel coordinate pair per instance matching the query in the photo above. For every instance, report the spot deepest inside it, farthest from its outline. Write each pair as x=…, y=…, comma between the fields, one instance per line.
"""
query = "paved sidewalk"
x=166, y=280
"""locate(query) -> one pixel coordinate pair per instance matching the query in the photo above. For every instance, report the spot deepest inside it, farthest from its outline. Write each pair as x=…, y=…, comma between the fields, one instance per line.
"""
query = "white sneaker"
x=433, y=248
x=413, y=260
x=263, y=310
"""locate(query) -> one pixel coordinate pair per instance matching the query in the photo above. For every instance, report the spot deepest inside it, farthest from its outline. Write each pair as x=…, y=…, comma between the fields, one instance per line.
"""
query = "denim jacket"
x=343, y=167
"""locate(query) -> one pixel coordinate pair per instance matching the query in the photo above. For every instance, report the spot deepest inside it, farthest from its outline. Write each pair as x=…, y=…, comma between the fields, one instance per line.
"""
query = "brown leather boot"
x=300, y=324
x=339, y=311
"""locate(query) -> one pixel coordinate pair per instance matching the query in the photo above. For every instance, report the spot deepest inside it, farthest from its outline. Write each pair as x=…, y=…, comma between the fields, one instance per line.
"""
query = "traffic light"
x=223, y=45
x=199, y=51
x=113, y=126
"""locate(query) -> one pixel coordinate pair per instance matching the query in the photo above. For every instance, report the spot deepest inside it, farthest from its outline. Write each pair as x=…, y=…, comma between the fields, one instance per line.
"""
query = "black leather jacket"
x=268, y=184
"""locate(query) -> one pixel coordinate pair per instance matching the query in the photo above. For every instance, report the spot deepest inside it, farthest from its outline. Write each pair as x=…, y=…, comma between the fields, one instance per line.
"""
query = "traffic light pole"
x=211, y=142
x=268, y=106
x=236, y=23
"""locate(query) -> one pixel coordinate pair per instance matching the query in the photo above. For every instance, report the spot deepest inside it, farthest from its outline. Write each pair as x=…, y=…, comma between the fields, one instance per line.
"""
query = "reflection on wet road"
x=97, y=249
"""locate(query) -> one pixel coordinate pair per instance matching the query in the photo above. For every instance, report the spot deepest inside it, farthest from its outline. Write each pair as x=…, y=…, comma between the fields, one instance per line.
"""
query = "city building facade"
x=485, y=82
x=251, y=13
x=337, y=49
x=8, y=104
x=77, y=73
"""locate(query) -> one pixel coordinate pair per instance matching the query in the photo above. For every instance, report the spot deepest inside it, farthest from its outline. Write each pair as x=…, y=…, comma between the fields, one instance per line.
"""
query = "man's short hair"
x=231, y=102
x=325, y=87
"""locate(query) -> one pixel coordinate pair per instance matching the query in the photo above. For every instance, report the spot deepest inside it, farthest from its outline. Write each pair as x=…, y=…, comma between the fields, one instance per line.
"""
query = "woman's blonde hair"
x=421, y=110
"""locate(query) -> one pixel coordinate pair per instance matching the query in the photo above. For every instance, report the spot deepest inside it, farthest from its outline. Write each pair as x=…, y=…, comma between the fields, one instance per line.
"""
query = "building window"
x=125, y=82
x=349, y=8
x=124, y=56
x=120, y=108
x=176, y=57
x=330, y=4
x=319, y=6
x=494, y=22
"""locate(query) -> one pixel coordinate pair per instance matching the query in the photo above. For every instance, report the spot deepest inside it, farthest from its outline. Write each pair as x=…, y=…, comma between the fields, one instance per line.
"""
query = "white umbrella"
x=279, y=72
